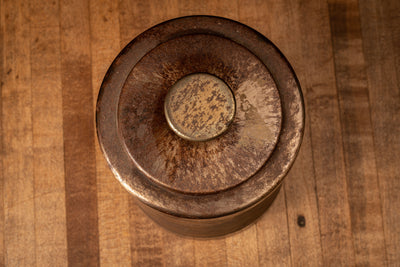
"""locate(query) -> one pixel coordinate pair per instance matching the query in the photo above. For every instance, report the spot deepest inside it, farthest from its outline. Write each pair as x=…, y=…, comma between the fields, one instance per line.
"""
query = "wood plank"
x=177, y=250
x=137, y=16
x=79, y=150
x=302, y=208
x=313, y=35
x=44, y=13
x=113, y=205
x=19, y=217
x=2, y=151
x=50, y=221
x=134, y=18
x=380, y=28
x=242, y=247
x=224, y=8
x=147, y=248
x=210, y=252
x=351, y=80
x=272, y=235
x=390, y=19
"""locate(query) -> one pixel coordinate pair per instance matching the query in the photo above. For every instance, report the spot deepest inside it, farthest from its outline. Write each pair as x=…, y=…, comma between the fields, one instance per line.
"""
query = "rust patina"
x=199, y=107
x=196, y=171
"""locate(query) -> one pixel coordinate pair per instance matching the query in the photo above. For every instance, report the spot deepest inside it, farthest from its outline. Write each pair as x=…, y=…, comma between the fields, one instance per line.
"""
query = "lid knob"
x=199, y=107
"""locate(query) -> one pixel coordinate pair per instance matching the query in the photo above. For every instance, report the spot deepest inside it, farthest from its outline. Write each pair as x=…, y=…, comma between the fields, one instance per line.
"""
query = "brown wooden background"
x=61, y=205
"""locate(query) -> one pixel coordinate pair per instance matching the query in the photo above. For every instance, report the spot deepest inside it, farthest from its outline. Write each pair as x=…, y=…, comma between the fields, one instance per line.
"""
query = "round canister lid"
x=200, y=117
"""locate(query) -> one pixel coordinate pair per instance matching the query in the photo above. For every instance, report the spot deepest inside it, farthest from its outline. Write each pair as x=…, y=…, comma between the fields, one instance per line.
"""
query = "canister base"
x=212, y=227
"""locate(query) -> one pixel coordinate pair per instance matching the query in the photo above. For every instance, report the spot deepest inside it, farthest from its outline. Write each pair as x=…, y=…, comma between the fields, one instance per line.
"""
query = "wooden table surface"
x=61, y=205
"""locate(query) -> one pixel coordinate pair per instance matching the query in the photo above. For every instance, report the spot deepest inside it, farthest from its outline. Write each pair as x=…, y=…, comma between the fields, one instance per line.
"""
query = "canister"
x=200, y=118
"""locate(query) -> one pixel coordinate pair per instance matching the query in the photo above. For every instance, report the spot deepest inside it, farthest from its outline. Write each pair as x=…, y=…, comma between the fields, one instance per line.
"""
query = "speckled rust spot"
x=199, y=107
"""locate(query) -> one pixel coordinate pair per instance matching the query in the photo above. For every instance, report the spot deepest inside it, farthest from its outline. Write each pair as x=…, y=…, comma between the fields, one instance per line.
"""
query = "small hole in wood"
x=301, y=221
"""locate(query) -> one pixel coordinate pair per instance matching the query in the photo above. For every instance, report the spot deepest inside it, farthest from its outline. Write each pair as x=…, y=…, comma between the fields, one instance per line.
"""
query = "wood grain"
x=113, y=220
x=79, y=150
x=326, y=137
x=380, y=32
x=242, y=248
x=19, y=204
x=60, y=204
x=273, y=235
x=300, y=184
x=146, y=239
x=179, y=250
x=364, y=197
x=2, y=243
x=47, y=123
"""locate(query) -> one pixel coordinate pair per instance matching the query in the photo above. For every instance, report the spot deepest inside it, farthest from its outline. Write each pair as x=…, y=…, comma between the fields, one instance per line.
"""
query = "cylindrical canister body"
x=201, y=118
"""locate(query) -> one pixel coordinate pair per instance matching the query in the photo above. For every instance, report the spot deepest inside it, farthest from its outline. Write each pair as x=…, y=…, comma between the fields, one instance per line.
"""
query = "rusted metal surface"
x=199, y=107
x=201, y=181
x=193, y=167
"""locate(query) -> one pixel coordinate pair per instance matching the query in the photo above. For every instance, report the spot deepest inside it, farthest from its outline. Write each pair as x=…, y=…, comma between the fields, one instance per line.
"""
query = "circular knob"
x=199, y=107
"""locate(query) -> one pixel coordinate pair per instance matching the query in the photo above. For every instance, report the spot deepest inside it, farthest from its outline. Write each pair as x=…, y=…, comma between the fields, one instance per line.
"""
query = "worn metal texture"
x=199, y=107
x=193, y=167
x=201, y=180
